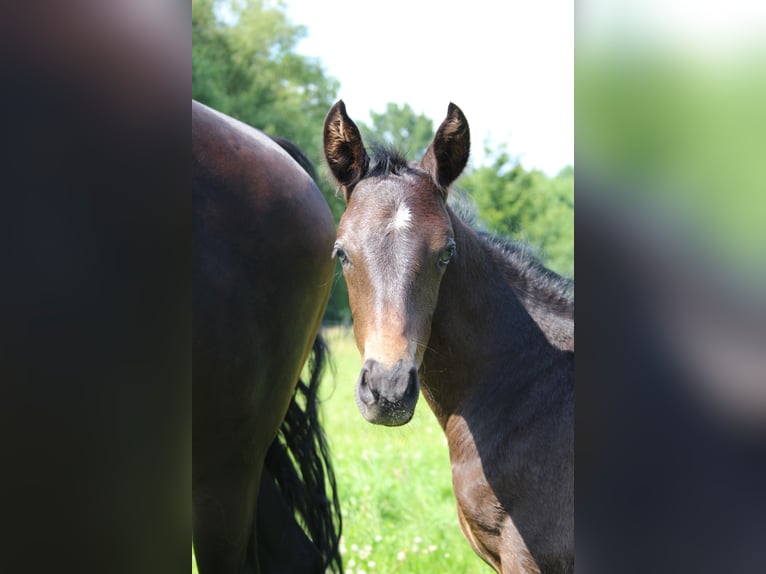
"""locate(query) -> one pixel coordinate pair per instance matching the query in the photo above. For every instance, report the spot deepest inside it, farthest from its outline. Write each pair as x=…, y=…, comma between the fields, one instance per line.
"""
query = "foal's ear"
x=344, y=149
x=448, y=153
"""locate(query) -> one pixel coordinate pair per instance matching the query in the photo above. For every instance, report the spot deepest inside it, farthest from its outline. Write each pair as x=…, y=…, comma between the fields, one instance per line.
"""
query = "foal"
x=481, y=325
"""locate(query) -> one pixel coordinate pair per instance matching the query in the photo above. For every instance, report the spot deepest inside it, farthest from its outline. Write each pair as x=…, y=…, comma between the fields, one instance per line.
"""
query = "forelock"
x=387, y=160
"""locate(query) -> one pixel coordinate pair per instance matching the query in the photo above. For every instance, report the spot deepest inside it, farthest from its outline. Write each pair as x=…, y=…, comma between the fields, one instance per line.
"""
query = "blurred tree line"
x=245, y=64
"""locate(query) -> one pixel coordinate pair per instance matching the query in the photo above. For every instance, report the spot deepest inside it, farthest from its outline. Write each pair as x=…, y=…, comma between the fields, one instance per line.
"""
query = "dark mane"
x=533, y=282
x=547, y=296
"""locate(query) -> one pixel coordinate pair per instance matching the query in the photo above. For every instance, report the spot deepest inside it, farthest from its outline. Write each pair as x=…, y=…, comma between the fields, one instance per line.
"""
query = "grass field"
x=394, y=484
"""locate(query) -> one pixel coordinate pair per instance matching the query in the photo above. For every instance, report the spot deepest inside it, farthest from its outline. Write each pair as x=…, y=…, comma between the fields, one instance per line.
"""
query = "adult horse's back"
x=262, y=276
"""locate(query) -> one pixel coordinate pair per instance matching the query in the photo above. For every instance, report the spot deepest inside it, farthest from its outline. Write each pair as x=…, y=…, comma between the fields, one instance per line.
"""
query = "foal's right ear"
x=344, y=149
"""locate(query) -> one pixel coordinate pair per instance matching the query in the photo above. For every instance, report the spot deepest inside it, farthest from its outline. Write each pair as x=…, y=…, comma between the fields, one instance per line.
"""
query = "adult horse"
x=262, y=273
x=484, y=328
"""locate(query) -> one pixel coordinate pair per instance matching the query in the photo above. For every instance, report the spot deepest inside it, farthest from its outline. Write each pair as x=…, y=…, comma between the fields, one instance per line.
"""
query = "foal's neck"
x=481, y=333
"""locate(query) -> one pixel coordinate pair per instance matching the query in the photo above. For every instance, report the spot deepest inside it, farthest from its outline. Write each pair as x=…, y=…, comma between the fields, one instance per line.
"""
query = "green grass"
x=394, y=484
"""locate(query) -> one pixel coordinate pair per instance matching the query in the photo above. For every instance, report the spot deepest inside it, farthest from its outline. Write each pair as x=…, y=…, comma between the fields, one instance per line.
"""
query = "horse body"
x=485, y=331
x=505, y=403
x=262, y=276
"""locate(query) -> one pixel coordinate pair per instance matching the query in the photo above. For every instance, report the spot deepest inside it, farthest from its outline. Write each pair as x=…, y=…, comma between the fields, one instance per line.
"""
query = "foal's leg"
x=515, y=557
x=506, y=552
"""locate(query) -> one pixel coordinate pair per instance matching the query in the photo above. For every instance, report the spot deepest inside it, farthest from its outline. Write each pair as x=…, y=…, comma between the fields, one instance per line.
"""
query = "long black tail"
x=299, y=461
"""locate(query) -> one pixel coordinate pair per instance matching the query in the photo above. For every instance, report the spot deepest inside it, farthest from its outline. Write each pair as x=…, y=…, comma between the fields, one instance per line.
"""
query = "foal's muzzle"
x=387, y=396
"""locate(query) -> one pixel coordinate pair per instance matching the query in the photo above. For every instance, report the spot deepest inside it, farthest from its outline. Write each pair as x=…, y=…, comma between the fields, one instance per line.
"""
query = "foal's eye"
x=338, y=253
x=447, y=254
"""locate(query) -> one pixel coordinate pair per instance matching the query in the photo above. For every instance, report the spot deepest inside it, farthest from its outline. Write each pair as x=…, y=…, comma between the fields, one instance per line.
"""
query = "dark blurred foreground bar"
x=95, y=290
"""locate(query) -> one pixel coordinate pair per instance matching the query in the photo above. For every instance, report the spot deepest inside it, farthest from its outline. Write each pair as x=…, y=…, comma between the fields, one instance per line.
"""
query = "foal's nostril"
x=412, y=385
x=368, y=395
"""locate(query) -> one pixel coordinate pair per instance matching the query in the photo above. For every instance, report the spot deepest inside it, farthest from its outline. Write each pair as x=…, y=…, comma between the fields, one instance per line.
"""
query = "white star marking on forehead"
x=402, y=217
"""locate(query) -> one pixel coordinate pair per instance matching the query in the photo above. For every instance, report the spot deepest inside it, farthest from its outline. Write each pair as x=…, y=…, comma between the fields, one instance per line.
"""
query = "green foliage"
x=528, y=206
x=400, y=127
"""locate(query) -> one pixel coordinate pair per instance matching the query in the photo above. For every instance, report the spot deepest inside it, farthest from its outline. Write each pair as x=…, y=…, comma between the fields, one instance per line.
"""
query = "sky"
x=509, y=65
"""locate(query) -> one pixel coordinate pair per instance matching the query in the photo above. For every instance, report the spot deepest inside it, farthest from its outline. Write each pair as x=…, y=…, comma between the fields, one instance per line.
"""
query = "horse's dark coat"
x=486, y=330
x=262, y=234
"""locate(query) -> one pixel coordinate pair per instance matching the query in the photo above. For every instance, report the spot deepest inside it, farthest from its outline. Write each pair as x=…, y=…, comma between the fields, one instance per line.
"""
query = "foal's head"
x=394, y=242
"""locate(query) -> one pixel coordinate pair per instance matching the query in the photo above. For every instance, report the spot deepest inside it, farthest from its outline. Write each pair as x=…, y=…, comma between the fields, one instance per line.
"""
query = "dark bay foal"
x=479, y=325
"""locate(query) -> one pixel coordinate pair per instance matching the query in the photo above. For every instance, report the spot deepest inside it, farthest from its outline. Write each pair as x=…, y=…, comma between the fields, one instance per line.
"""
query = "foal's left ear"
x=448, y=153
